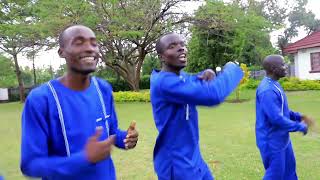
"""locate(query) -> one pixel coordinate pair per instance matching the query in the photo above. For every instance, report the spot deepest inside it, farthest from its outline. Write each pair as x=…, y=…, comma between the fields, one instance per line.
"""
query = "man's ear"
x=60, y=52
x=160, y=58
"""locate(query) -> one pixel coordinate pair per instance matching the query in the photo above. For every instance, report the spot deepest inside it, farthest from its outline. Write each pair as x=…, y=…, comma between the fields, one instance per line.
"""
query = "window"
x=315, y=62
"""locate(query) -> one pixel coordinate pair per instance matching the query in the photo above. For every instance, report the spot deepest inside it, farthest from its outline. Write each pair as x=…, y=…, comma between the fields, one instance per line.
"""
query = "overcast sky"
x=48, y=58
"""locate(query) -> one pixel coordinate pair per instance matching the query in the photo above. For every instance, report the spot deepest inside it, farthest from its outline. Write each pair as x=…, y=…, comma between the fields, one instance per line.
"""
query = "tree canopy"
x=225, y=32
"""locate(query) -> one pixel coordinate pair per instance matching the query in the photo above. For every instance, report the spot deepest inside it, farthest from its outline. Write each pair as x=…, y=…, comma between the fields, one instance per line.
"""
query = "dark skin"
x=174, y=56
x=81, y=51
x=275, y=68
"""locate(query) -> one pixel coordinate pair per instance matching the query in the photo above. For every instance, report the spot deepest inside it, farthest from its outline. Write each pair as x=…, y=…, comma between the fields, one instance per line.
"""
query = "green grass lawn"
x=226, y=136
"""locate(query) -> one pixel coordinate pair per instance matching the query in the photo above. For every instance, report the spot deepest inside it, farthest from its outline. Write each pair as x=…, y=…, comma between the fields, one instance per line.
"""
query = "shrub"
x=289, y=84
x=295, y=84
x=122, y=85
x=252, y=84
x=145, y=82
x=130, y=96
x=243, y=81
x=118, y=84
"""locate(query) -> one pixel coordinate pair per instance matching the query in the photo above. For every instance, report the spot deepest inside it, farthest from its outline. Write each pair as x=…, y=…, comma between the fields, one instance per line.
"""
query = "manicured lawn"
x=226, y=136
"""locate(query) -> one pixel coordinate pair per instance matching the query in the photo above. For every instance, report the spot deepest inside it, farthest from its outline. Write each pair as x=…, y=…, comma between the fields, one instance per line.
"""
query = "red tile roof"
x=310, y=41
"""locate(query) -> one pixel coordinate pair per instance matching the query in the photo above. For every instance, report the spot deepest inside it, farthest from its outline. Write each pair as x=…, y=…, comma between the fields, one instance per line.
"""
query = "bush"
x=14, y=93
x=255, y=68
x=295, y=84
x=119, y=84
x=145, y=82
x=252, y=84
x=289, y=84
x=130, y=96
x=122, y=85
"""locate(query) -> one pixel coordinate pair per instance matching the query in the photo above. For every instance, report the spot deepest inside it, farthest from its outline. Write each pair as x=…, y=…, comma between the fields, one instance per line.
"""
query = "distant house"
x=4, y=96
x=306, y=56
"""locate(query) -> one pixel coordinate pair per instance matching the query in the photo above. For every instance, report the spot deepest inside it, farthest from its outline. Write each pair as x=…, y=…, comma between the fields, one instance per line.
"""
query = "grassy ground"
x=226, y=137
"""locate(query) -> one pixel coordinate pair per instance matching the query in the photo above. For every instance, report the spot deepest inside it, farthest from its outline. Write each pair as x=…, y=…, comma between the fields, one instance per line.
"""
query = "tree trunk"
x=137, y=73
x=238, y=94
x=133, y=82
x=34, y=72
x=129, y=72
x=18, y=74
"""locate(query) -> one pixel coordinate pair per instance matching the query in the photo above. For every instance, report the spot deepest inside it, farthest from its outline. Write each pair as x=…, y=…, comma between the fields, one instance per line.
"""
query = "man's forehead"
x=171, y=38
x=279, y=60
x=79, y=31
x=274, y=59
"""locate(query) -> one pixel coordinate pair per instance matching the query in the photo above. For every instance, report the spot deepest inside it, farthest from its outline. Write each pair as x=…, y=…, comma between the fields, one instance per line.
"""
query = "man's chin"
x=183, y=65
x=83, y=71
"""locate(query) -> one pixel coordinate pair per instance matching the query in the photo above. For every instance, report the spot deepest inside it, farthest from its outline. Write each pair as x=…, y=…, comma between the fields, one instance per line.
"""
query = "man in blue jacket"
x=274, y=121
x=69, y=124
x=174, y=97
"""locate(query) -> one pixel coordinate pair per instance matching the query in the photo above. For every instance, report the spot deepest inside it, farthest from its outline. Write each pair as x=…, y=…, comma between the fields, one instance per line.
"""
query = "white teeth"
x=182, y=58
x=87, y=58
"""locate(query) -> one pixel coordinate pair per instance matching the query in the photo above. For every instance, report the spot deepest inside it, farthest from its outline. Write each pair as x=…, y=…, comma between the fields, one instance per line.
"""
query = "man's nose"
x=88, y=47
x=182, y=48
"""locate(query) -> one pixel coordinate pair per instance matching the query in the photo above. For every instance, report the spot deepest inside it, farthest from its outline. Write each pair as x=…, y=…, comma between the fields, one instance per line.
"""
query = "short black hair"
x=159, y=47
x=268, y=62
x=62, y=34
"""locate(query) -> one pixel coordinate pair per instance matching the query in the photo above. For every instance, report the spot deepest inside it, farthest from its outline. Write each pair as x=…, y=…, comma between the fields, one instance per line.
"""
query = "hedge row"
x=129, y=96
x=122, y=93
x=289, y=84
x=122, y=85
x=117, y=85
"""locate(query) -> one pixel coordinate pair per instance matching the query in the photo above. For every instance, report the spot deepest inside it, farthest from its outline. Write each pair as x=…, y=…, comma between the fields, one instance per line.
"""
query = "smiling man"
x=174, y=97
x=69, y=125
x=274, y=122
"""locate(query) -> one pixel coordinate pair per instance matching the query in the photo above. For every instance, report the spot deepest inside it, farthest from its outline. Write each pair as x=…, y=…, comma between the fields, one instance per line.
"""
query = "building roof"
x=310, y=41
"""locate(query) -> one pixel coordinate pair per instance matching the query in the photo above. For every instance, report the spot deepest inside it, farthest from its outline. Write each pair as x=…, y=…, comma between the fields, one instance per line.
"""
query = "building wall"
x=4, y=94
x=303, y=64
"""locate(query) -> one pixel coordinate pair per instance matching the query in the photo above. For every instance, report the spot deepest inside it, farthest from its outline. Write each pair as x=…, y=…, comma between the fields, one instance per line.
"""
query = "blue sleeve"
x=120, y=135
x=35, y=159
x=295, y=116
x=109, y=103
x=271, y=106
x=198, y=92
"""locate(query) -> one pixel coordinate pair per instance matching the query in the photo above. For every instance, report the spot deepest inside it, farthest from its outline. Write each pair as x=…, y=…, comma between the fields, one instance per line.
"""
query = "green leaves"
x=7, y=75
x=225, y=32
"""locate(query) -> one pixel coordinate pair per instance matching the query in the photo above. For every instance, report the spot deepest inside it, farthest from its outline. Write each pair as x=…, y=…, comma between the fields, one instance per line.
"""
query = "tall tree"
x=151, y=62
x=286, y=14
x=225, y=32
x=128, y=33
x=16, y=30
x=272, y=10
x=31, y=55
x=126, y=29
x=7, y=75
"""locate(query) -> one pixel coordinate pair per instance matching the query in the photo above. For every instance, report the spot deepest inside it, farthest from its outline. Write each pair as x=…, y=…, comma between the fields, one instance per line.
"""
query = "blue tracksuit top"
x=174, y=99
x=274, y=119
x=52, y=148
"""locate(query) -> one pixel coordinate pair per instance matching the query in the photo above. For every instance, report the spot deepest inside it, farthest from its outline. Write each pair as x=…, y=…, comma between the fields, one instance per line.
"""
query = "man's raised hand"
x=132, y=136
x=96, y=150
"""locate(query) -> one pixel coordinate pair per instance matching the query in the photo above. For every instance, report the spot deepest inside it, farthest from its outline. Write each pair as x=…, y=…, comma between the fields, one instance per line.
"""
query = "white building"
x=4, y=96
x=306, y=56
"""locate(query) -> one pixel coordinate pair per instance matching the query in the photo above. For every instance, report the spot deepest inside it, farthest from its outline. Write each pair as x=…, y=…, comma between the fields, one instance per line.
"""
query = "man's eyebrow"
x=78, y=38
x=176, y=42
x=83, y=38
